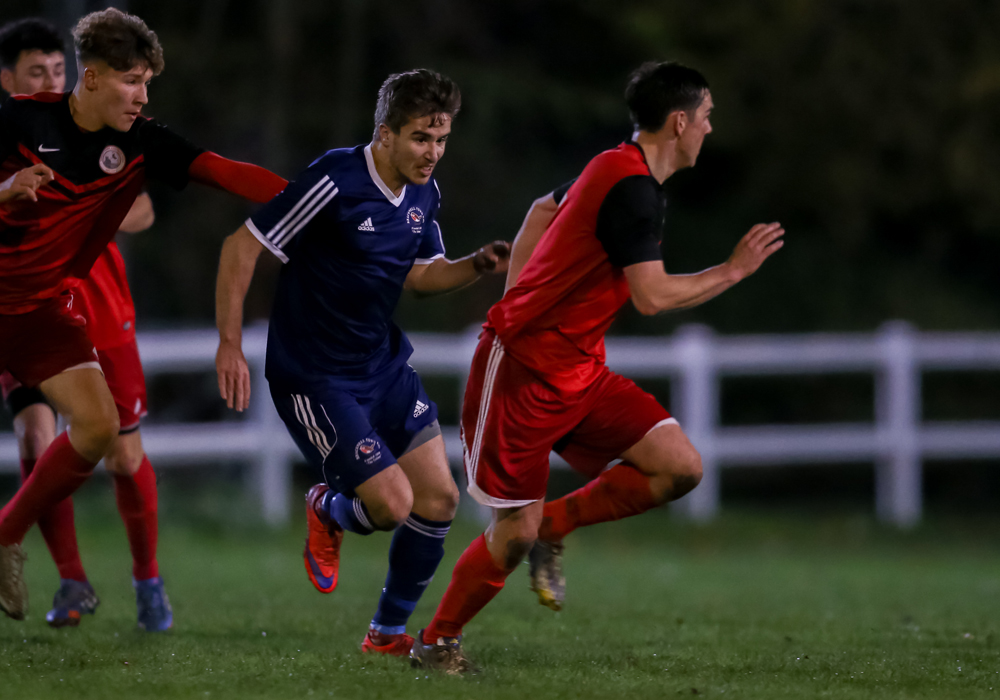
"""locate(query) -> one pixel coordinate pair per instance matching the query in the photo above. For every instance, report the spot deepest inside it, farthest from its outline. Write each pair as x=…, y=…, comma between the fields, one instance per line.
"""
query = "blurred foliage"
x=868, y=127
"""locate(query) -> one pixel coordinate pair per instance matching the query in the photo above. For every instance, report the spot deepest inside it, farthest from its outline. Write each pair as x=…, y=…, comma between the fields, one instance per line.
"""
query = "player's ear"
x=7, y=80
x=677, y=122
x=383, y=134
x=89, y=76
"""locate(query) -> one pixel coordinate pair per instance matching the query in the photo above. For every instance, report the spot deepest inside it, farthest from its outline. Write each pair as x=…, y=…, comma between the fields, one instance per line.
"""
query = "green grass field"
x=749, y=607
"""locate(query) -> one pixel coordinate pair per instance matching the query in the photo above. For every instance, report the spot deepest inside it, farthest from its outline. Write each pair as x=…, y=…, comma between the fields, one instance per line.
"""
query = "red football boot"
x=322, y=552
x=391, y=644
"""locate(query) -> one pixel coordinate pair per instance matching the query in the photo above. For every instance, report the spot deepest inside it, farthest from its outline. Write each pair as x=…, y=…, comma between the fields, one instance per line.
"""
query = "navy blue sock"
x=416, y=551
x=350, y=513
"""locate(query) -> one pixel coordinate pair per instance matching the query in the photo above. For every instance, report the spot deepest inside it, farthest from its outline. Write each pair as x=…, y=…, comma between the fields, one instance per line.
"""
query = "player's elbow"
x=645, y=305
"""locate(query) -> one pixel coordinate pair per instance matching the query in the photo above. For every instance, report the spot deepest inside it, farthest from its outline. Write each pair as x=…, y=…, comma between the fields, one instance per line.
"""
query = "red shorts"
x=511, y=420
x=42, y=343
x=123, y=372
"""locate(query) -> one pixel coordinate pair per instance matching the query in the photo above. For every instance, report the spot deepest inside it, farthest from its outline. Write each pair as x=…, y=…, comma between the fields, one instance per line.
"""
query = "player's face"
x=36, y=71
x=419, y=145
x=698, y=127
x=121, y=94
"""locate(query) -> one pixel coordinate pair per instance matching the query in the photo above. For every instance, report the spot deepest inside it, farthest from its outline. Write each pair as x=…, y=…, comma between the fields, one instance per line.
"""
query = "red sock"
x=617, y=493
x=59, y=531
x=475, y=582
x=57, y=474
x=136, y=497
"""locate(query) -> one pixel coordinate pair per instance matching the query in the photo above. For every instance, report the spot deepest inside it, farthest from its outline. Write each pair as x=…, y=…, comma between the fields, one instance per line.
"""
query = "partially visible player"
x=71, y=167
x=32, y=60
x=355, y=229
x=538, y=380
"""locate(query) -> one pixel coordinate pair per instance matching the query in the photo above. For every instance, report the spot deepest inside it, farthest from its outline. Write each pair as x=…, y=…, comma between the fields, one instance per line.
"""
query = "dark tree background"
x=868, y=127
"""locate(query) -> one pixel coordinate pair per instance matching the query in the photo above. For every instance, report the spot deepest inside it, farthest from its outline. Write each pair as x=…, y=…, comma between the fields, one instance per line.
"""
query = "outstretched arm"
x=654, y=291
x=443, y=275
x=242, y=179
x=236, y=265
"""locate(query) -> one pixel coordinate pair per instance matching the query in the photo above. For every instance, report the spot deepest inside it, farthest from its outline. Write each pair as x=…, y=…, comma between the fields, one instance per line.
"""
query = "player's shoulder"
x=626, y=159
x=344, y=162
x=31, y=107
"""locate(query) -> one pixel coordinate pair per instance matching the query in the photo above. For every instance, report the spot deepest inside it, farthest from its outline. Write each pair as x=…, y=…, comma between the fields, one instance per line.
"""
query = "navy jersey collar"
x=370, y=160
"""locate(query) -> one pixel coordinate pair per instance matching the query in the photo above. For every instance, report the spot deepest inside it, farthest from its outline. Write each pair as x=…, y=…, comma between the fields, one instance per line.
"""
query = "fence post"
x=898, y=472
x=697, y=408
x=271, y=468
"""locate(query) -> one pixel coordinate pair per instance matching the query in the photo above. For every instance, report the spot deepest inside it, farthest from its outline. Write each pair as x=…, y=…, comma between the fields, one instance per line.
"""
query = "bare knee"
x=93, y=434
x=35, y=428
x=438, y=505
x=677, y=475
x=125, y=456
x=687, y=474
x=392, y=510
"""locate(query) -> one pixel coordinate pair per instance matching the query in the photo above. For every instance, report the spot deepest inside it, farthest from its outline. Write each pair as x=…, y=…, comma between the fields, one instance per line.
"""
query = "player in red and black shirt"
x=538, y=380
x=71, y=165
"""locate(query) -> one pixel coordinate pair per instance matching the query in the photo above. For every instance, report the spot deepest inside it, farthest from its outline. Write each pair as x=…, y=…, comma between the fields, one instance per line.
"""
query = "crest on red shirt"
x=112, y=160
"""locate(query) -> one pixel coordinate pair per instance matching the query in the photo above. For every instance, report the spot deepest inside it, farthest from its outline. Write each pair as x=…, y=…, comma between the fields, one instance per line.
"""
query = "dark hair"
x=29, y=34
x=655, y=90
x=415, y=94
x=121, y=40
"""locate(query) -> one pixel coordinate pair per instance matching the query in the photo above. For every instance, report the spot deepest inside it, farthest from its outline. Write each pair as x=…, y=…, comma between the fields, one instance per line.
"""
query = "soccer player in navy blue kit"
x=354, y=230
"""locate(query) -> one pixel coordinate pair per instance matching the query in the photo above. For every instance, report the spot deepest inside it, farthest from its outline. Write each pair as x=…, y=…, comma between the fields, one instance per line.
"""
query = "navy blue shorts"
x=351, y=434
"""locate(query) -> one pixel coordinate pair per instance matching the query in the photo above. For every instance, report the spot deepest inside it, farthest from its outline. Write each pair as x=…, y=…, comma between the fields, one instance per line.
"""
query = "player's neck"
x=390, y=175
x=661, y=155
x=83, y=113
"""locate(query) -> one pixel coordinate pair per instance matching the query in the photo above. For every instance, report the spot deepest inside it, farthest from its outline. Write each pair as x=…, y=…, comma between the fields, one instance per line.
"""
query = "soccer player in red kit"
x=32, y=61
x=538, y=380
x=71, y=167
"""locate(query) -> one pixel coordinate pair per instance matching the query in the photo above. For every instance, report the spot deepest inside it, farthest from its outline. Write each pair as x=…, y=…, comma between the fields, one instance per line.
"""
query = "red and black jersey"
x=48, y=246
x=554, y=318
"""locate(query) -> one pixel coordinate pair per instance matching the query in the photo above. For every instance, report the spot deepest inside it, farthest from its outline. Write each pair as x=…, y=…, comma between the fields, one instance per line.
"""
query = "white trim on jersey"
x=393, y=199
x=428, y=261
x=311, y=204
x=278, y=253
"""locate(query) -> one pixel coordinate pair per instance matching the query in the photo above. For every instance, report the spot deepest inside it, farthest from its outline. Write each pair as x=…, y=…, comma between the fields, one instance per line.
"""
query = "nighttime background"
x=869, y=129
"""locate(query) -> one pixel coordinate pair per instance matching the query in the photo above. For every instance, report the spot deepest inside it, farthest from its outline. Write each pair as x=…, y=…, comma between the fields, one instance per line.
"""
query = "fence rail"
x=694, y=359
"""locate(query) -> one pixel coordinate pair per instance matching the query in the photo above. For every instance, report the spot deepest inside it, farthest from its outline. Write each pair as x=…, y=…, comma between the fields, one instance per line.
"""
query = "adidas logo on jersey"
x=366, y=225
x=419, y=409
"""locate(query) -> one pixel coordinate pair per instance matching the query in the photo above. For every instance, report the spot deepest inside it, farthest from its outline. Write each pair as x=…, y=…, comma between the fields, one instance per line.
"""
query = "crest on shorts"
x=367, y=450
x=415, y=217
x=112, y=160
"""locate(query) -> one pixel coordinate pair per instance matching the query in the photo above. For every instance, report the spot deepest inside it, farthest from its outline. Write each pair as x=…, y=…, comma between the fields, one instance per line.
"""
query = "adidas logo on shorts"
x=367, y=225
x=419, y=409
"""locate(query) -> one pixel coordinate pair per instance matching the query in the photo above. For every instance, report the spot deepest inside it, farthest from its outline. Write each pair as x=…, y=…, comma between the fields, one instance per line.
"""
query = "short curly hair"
x=121, y=40
x=415, y=94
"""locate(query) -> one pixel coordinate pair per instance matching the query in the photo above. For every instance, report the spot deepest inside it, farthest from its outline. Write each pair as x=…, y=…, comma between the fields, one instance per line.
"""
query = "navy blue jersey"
x=347, y=243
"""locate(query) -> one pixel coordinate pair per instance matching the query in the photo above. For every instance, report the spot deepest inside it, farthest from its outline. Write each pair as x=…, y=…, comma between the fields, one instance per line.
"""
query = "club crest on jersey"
x=415, y=217
x=367, y=450
x=112, y=160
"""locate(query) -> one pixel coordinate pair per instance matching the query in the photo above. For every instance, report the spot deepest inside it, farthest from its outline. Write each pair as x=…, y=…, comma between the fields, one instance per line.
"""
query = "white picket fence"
x=694, y=359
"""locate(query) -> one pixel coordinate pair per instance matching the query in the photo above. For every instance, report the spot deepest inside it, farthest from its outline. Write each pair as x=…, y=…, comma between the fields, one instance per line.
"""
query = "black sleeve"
x=168, y=155
x=630, y=221
x=560, y=192
x=8, y=129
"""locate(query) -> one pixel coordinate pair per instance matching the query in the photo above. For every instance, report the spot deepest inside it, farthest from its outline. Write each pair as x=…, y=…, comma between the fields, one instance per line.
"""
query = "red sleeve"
x=242, y=179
